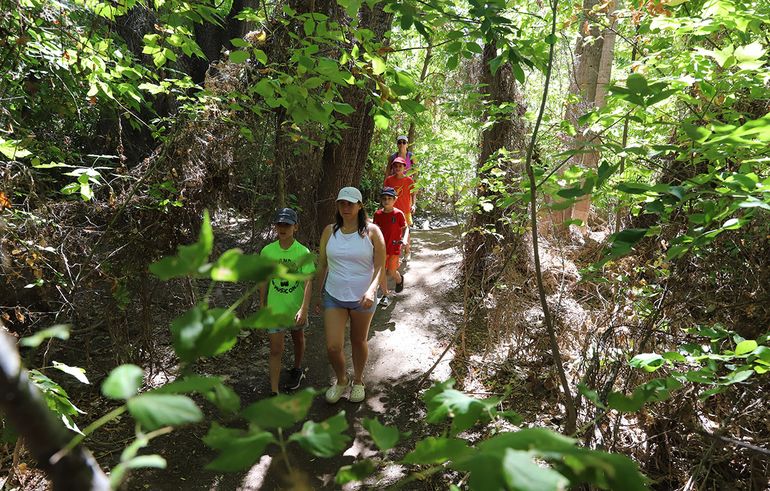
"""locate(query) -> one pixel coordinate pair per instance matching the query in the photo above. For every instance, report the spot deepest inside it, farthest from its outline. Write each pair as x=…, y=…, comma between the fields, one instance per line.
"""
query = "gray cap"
x=286, y=215
x=402, y=137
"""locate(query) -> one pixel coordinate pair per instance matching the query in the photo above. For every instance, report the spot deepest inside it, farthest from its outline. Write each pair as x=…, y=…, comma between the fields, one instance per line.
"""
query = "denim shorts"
x=332, y=303
x=276, y=330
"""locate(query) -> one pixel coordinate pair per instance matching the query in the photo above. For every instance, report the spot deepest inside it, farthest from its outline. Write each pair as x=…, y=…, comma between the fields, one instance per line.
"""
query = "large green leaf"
x=123, y=382
x=541, y=439
x=647, y=361
x=280, y=411
x=324, y=439
x=212, y=388
x=385, y=437
x=189, y=258
x=436, y=450
x=510, y=469
x=445, y=402
x=233, y=266
x=153, y=410
x=59, y=331
x=357, y=471
x=238, y=449
x=203, y=332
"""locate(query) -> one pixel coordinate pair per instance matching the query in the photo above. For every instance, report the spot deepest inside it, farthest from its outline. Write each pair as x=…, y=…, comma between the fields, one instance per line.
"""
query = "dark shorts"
x=332, y=303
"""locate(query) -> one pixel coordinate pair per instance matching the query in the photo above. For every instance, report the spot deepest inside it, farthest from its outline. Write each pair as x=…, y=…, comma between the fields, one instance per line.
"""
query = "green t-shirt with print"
x=285, y=296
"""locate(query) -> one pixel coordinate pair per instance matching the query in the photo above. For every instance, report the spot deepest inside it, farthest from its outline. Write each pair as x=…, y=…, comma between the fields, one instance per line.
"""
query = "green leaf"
x=238, y=56
x=443, y=401
x=511, y=469
x=630, y=235
x=260, y=56
x=542, y=439
x=201, y=332
x=403, y=84
x=265, y=318
x=324, y=439
x=280, y=411
x=411, y=107
x=123, y=382
x=649, y=362
x=153, y=410
x=76, y=372
x=697, y=133
x=746, y=347
x=234, y=266
x=437, y=450
x=737, y=376
x=239, y=449
x=59, y=331
x=637, y=83
x=750, y=52
x=385, y=437
x=13, y=149
x=378, y=65
x=189, y=258
x=357, y=471
x=211, y=388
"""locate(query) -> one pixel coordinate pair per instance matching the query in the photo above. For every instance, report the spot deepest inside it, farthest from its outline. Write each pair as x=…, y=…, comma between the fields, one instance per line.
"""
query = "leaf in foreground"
x=324, y=439
x=238, y=449
x=153, y=411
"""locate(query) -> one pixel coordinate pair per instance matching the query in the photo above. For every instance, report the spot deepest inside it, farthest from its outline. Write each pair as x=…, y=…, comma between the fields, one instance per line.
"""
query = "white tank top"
x=351, y=265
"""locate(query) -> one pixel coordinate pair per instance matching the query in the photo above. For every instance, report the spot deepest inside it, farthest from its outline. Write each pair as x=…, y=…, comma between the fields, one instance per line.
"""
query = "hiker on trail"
x=351, y=258
x=402, y=144
x=287, y=297
x=404, y=186
x=392, y=223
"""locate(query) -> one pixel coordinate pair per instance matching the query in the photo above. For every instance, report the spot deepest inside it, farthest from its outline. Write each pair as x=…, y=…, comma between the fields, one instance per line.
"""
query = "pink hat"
x=399, y=160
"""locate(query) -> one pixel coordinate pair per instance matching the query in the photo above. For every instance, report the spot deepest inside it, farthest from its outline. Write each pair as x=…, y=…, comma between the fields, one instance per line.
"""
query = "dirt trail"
x=405, y=340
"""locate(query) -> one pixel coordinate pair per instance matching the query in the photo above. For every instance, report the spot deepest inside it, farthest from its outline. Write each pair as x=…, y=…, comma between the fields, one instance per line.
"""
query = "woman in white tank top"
x=351, y=259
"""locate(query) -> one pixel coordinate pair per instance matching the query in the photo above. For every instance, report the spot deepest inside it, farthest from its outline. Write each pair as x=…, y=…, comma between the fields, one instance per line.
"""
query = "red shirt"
x=391, y=225
x=403, y=188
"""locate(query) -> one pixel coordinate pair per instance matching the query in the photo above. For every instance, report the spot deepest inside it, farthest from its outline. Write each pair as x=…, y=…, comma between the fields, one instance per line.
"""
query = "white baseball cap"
x=350, y=194
x=402, y=137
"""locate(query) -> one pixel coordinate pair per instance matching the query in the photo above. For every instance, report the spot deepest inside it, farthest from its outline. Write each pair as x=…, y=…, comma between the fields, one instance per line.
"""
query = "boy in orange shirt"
x=404, y=186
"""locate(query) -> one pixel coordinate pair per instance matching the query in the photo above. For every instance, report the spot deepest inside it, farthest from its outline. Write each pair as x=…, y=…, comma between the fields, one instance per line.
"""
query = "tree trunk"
x=510, y=134
x=594, y=51
x=43, y=433
x=344, y=160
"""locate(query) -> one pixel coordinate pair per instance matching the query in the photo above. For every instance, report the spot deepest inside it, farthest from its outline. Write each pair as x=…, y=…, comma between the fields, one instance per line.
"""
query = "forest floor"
x=405, y=340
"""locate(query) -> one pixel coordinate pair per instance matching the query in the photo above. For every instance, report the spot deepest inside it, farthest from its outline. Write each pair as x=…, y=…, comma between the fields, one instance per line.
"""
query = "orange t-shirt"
x=403, y=189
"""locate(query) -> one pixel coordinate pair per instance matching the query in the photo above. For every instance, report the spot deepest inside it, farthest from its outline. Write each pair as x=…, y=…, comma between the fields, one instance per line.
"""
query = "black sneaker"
x=295, y=378
x=400, y=286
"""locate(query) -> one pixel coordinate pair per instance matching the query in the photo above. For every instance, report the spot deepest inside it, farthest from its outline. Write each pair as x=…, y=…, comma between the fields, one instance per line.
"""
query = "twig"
x=569, y=402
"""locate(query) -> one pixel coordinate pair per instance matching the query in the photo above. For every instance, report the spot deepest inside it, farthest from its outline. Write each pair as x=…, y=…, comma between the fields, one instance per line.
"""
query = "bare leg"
x=393, y=273
x=298, y=337
x=274, y=361
x=334, y=326
x=359, y=332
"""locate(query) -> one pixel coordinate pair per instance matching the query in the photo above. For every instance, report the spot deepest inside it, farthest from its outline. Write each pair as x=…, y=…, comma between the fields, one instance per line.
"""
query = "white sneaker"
x=384, y=302
x=357, y=393
x=334, y=393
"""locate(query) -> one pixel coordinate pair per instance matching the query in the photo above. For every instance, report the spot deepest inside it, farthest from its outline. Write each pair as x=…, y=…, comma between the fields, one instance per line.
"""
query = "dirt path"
x=404, y=342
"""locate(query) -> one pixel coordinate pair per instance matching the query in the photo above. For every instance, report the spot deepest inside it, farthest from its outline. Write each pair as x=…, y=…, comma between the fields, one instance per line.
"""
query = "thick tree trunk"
x=508, y=133
x=213, y=38
x=344, y=160
x=43, y=433
x=594, y=51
